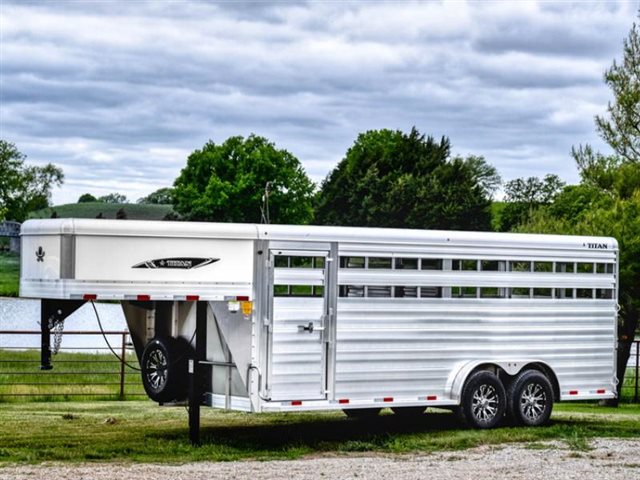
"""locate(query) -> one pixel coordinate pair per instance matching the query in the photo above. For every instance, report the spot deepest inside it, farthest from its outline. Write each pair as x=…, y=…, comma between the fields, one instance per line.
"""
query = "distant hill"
x=134, y=211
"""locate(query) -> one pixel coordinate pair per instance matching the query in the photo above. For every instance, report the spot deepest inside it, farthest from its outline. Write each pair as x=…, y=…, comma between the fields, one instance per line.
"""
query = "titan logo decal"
x=597, y=245
x=185, y=263
x=40, y=254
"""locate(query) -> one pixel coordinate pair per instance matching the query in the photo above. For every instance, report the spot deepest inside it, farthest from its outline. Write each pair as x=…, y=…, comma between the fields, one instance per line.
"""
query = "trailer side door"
x=299, y=320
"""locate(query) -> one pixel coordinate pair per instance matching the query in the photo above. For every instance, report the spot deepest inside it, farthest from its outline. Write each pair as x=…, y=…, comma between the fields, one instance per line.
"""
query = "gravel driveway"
x=607, y=459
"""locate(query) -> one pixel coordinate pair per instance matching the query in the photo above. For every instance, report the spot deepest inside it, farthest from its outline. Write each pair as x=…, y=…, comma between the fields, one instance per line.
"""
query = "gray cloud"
x=119, y=93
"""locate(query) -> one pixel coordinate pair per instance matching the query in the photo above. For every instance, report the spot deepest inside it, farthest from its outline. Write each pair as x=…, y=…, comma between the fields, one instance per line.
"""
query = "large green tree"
x=115, y=197
x=243, y=180
x=162, y=196
x=24, y=188
x=87, y=198
x=406, y=180
x=607, y=201
x=525, y=195
x=620, y=128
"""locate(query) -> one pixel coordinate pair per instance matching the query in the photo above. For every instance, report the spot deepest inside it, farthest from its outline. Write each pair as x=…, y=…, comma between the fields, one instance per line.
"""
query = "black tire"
x=530, y=399
x=483, y=402
x=408, y=412
x=362, y=413
x=164, y=369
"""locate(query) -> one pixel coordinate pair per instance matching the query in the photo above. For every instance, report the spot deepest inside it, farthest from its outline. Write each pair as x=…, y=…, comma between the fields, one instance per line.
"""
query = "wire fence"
x=84, y=369
x=89, y=369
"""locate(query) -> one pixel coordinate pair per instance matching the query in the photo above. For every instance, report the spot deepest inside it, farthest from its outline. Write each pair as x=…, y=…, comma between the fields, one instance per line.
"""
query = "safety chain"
x=56, y=328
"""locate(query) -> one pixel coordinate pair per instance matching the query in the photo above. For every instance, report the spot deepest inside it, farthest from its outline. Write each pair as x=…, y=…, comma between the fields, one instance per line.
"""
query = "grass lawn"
x=143, y=432
x=9, y=274
x=134, y=211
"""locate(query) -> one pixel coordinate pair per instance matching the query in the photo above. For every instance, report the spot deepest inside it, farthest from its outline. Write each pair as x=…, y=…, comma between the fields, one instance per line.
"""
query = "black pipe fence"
x=91, y=370
x=88, y=369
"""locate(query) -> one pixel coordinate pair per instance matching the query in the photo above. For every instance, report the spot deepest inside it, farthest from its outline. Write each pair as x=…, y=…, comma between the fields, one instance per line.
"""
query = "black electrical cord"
x=122, y=360
x=118, y=356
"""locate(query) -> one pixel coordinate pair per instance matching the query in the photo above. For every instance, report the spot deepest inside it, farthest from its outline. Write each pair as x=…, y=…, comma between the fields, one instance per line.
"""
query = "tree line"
x=386, y=179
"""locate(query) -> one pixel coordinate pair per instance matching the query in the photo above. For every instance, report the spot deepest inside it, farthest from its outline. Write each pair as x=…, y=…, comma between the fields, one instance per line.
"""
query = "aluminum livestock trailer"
x=289, y=318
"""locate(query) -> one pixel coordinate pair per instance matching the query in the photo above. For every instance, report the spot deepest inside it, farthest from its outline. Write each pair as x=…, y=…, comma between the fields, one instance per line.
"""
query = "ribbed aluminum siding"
x=407, y=348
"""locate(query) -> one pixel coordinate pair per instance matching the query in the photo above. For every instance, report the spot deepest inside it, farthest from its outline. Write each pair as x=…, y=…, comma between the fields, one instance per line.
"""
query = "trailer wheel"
x=483, y=400
x=164, y=369
x=408, y=412
x=362, y=413
x=530, y=398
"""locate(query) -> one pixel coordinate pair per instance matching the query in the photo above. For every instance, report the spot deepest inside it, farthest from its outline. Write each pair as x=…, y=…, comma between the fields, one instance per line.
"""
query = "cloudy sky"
x=119, y=92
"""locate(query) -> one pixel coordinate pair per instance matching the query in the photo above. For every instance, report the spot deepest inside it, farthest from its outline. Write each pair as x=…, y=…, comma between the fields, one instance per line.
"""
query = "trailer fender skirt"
x=461, y=371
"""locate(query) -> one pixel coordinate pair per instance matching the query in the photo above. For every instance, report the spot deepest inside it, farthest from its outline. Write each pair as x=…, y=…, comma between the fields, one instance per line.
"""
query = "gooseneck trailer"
x=290, y=318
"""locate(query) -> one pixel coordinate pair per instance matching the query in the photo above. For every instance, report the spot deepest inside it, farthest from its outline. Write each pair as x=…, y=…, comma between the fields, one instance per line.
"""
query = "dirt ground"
x=609, y=459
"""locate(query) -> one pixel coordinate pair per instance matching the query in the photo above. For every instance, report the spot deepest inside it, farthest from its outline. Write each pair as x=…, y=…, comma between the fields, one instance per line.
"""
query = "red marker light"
x=193, y=298
x=343, y=400
x=143, y=298
x=89, y=296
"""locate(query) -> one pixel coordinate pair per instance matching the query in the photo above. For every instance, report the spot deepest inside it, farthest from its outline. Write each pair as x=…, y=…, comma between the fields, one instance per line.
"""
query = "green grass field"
x=75, y=376
x=134, y=211
x=144, y=432
x=9, y=274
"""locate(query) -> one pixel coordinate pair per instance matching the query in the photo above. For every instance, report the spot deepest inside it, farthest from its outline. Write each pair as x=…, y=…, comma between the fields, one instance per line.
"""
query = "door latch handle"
x=306, y=328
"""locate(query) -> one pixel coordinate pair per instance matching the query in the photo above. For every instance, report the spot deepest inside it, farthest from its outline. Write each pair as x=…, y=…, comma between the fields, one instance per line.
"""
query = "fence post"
x=122, y=360
x=635, y=396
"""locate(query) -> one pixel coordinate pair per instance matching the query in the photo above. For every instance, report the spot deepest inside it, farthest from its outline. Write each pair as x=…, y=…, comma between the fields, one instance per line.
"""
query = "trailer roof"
x=166, y=229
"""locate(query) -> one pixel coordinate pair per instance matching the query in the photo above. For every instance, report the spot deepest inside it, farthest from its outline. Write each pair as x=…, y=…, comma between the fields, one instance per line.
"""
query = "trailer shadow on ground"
x=302, y=430
x=435, y=430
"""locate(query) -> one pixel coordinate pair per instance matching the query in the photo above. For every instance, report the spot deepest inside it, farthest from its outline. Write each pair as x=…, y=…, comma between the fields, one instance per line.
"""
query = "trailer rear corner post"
x=196, y=380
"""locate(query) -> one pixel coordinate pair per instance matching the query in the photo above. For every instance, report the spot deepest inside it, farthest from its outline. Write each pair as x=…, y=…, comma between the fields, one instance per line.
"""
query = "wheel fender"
x=461, y=371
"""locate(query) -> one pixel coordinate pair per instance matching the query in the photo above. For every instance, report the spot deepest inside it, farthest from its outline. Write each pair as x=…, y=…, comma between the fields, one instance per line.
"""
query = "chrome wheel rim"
x=484, y=404
x=156, y=369
x=533, y=401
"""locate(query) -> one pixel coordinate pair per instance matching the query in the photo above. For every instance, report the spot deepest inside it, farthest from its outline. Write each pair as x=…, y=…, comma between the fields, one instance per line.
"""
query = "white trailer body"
x=306, y=317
